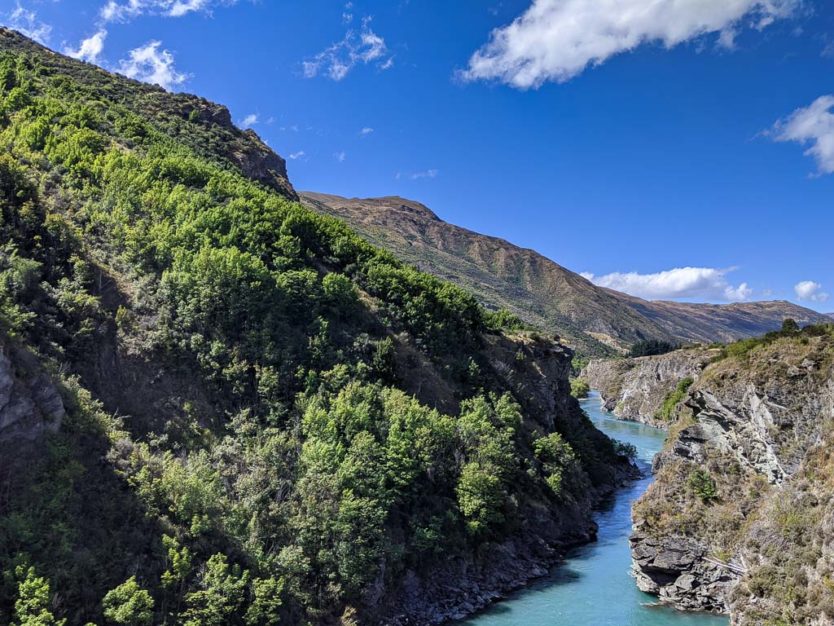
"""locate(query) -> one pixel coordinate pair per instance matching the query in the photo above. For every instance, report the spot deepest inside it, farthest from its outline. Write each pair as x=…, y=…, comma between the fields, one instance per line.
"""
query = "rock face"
x=30, y=404
x=635, y=389
x=676, y=570
x=741, y=516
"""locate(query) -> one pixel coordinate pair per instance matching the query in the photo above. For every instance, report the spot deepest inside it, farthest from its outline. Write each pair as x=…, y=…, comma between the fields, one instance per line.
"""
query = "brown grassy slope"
x=540, y=291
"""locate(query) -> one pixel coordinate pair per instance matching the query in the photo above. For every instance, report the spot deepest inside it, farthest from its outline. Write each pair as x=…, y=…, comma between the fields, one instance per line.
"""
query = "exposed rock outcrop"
x=30, y=404
x=635, y=389
x=741, y=517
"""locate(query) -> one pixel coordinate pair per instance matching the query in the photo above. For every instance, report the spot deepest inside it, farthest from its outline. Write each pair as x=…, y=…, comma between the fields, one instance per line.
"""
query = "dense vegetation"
x=651, y=347
x=249, y=438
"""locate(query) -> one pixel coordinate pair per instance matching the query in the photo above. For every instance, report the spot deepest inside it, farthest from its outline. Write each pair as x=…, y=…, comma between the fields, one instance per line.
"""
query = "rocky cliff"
x=30, y=404
x=637, y=389
x=740, y=518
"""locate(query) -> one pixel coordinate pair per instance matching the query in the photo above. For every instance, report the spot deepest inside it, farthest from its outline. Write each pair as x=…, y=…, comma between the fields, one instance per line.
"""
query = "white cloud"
x=682, y=282
x=90, y=48
x=366, y=131
x=26, y=22
x=151, y=65
x=116, y=11
x=297, y=155
x=810, y=290
x=249, y=120
x=555, y=40
x=812, y=126
x=363, y=47
x=340, y=156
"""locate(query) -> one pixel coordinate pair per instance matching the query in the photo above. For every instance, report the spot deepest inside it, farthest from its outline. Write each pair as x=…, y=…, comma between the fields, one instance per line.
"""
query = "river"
x=593, y=586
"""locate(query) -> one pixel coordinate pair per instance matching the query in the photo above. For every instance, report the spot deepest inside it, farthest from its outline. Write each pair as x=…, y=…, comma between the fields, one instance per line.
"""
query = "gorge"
x=223, y=401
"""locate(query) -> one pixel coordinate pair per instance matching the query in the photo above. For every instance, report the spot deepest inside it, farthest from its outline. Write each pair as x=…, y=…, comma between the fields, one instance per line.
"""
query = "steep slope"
x=741, y=516
x=501, y=274
x=219, y=407
x=594, y=320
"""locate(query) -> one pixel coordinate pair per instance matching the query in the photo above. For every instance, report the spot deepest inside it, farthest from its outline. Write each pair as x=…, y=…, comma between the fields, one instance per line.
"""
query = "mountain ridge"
x=594, y=319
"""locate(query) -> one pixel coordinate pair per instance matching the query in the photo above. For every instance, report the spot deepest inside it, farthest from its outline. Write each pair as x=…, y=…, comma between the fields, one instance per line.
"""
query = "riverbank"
x=593, y=586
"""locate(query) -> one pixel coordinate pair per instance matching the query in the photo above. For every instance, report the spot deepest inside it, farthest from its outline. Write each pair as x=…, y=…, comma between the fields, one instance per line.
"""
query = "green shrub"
x=628, y=450
x=579, y=388
x=673, y=398
x=703, y=485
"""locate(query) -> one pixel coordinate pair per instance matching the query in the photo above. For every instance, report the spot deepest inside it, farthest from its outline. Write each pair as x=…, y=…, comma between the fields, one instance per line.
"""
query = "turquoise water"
x=593, y=586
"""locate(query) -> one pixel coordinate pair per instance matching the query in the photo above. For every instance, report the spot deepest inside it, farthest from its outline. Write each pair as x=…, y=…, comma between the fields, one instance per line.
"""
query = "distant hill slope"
x=723, y=322
x=540, y=291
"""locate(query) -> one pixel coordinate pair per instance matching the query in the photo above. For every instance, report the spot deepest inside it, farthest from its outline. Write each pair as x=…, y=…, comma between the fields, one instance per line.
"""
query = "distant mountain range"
x=593, y=319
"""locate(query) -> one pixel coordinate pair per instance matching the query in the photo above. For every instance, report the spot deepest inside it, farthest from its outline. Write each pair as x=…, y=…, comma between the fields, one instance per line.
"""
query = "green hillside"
x=219, y=407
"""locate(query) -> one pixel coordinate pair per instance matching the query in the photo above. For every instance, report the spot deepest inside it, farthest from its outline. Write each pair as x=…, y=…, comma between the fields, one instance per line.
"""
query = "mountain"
x=595, y=320
x=739, y=519
x=220, y=407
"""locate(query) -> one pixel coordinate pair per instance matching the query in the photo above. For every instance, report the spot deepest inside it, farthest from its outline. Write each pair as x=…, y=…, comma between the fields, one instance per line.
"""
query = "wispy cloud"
x=555, y=40
x=294, y=156
x=26, y=22
x=682, y=282
x=340, y=156
x=150, y=64
x=366, y=131
x=89, y=49
x=810, y=290
x=812, y=126
x=249, y=121
x=123, y=11
x=361, y=47
x=430, y=173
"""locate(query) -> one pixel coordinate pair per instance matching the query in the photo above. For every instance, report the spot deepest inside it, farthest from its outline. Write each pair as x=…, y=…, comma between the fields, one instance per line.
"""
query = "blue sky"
x=680, y=151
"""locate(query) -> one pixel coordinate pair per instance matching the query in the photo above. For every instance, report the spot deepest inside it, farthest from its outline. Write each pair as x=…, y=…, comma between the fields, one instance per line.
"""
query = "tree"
x=32, y=605
x=128, y=604
x=221, y=593
x=265, y=609
x=651, y=347
x=556, y=456
x=789, y=326
x=579, y=388
x=703, y=485
x=480, y=497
